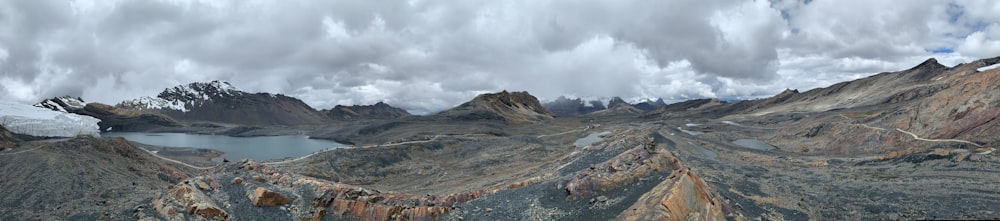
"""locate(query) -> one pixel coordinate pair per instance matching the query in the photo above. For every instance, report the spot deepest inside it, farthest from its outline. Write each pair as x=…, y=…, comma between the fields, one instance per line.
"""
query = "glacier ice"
x=41, y=122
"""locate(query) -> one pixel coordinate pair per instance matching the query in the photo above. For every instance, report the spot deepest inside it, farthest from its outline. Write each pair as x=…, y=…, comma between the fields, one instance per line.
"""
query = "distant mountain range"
x=504, y=154
x=220, y=102
x=215, y=102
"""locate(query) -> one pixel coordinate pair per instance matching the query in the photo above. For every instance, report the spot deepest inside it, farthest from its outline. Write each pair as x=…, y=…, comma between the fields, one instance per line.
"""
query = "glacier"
x=42, y=122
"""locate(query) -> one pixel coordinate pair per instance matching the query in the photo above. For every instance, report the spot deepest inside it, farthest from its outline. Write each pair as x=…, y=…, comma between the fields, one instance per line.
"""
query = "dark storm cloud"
x=430, y=55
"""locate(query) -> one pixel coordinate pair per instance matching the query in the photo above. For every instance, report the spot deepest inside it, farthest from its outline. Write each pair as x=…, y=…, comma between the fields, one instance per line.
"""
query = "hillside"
x=511, y=107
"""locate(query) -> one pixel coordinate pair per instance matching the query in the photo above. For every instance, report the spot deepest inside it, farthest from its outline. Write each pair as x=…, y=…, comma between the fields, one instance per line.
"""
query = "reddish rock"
x=258, y=179
x=265, y=197
x=193, y=200
x=684, y=196
x=625, y=168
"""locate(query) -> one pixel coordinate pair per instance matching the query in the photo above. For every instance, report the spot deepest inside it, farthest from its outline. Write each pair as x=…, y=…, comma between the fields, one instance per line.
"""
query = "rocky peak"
x=929, y=64
x=506, y=106
x=787, y=92
x=506, y=99
x=200, y=91
x=219, y=101
x=62, y=104
x=183, y=97
x=617, y=101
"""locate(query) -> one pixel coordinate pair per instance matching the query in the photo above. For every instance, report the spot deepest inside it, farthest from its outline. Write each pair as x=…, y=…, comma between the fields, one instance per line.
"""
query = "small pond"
x=753, y=144
x=234, y=148
x=590, y=139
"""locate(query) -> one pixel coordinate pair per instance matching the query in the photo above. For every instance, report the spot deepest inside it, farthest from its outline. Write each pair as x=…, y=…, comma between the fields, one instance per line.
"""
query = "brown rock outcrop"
x=683, y=196
x=191, y=199
x=625, y=168
x=265, y=197
x=7, y=139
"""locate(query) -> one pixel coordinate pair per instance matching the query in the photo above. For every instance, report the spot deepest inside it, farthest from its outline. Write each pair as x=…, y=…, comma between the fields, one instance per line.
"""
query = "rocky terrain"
x=913, y=144
x=83, y=178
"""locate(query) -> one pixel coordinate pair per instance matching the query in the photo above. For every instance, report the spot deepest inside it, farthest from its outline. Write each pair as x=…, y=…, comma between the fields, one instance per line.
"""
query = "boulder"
x=265, y=197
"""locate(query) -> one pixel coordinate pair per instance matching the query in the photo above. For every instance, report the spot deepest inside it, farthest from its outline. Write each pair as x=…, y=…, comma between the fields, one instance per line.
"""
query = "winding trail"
x=143, y=149
x=560, y=133
x=938, y=140
x=175, y=161
x=28, y=150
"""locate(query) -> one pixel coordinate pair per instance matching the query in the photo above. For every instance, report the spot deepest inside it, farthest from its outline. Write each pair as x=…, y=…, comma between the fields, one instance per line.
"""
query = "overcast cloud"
x=428, y=55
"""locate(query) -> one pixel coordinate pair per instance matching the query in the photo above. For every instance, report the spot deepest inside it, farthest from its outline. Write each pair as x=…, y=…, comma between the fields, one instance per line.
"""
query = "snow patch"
x=42, y=122
x=72, y=102
x=57, y=106
x=731, y=123
x=149, y=103
x=987, y=67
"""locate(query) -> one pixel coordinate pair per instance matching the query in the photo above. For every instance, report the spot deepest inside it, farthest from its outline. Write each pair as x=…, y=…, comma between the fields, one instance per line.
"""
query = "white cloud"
x=982, y=43
x=429, y=55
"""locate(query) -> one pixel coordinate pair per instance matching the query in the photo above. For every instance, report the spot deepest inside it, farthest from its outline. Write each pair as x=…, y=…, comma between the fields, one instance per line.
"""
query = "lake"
x=590, y=139
x=753, y=144
x=234, y=148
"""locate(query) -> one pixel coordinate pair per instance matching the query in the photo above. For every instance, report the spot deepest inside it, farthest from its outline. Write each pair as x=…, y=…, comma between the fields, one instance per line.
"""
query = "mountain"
x=923, y=79
x=511, y=107
x=618, y=106
x=565, y=107
x=649, y=105
x=221, y=102
x=65, y=104
x=379, y=110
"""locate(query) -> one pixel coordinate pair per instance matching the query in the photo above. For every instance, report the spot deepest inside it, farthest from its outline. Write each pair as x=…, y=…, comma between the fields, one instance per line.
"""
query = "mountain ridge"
x=378, y=110
x=219, y=101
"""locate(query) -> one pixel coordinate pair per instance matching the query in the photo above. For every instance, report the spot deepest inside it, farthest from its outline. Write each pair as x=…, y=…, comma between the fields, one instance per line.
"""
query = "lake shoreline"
x=215, y=148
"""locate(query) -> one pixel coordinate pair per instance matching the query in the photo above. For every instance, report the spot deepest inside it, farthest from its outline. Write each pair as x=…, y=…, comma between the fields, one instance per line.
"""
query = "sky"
x=428, y=55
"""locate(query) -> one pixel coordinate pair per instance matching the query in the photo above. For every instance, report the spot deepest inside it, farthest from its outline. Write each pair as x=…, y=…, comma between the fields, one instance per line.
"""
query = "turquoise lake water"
x=234, y=148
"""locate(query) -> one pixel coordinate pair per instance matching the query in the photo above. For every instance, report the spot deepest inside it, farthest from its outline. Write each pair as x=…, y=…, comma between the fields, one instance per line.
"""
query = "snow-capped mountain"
x=42, y=122
x=62, y=104
x=181, y=97
x=219, y=101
